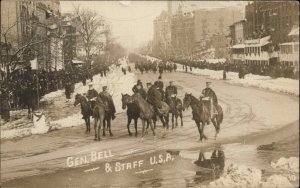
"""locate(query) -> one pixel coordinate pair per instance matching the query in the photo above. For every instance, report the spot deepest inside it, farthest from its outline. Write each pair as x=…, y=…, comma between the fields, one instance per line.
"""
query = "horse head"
x=187, y=100
x=77, y=99
x=125, y=100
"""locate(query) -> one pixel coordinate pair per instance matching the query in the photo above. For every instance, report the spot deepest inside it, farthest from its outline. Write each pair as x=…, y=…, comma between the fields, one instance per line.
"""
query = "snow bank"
x=284, y=85
x=240, y=176
x=289, y=164
x=116, y=82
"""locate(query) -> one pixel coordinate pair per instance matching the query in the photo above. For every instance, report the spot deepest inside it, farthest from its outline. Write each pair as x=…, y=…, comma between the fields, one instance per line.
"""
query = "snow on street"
x=116, y=82
x=247, y=111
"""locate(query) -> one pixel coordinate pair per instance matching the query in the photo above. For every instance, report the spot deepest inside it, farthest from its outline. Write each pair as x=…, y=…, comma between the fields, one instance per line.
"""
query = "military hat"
x=104, y=88
x=90, y=84
x=139, y=81
x=149, y=83
x=159, y=77
x=171, y=81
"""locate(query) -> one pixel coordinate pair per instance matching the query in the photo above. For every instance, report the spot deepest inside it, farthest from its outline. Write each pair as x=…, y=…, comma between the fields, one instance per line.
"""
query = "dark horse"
x=30, y=100
x=176, y=109
x=146, y=112
x=133, y=112
x=86, y=110
x=201, y=114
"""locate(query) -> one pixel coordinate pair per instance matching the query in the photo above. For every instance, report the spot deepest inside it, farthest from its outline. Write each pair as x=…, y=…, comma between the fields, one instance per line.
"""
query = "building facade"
x=271, y=18
x=182, y=34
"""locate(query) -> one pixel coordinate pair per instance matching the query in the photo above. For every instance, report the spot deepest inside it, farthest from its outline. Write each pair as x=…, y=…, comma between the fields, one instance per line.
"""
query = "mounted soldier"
x=138, y=88
x=108, y=101
x=154, y=97
x=92, y=95
x=208, y=94
x=159, y=85
x=171, y=91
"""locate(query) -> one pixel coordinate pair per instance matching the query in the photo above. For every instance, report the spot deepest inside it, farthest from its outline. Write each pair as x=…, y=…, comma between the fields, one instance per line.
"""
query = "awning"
x=294, y=32
x=258, y=42
x=238, y=46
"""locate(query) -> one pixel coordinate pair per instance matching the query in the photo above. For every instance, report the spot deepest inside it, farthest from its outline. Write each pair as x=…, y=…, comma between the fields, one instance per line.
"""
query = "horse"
x=146, y=112
x=133, y=112
x=86, y=110
x=176, y=109
x=30, y=100
x=201, y=114
x=98, y=115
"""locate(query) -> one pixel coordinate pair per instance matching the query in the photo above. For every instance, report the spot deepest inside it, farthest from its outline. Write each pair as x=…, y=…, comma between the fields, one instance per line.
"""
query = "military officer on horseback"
x=159, y=85
x=209, y=94
x=154, y=97
x=92, y=95
x=108, y=101
x=138, y=88
x=171, y=91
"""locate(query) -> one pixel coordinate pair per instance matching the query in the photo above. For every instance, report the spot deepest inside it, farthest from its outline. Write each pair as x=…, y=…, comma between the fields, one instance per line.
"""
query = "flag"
x=33, y=64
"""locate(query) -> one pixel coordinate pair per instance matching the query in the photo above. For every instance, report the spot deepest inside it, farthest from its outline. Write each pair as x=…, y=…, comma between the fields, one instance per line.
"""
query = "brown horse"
x=146, y=112
x=201, y=114
x=133, y=113
x=99, y=115
x=86, y=110
x=176, y=109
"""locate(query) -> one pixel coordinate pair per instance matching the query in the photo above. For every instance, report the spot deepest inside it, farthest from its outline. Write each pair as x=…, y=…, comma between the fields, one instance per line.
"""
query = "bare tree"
x=88, y=25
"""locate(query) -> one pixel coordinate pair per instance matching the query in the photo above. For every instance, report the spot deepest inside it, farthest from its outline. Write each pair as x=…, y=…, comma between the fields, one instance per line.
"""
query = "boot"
x=113, y=117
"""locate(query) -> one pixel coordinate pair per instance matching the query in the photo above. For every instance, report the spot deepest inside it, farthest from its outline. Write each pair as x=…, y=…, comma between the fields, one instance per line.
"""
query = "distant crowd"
x=274, y=71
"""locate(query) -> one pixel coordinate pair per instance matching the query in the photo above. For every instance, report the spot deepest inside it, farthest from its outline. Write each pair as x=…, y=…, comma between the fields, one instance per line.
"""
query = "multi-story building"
x=289, y=51
x=182, y=33
x=31, y=22
x=271, y=18
x=211, y=23
x=237, y=37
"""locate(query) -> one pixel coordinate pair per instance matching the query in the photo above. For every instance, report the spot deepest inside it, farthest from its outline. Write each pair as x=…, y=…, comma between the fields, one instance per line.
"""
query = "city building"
x=182, y=33
x=274, y=18
x=211, y=23
x=289, y=51
x=237, y=39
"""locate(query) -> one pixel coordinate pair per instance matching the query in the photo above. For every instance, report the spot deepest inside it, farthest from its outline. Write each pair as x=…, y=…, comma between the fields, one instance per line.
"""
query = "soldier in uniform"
x=138, y=88
x=211, y=95
x=92, y=95
x=108, y=101
x=154, y=97
x=170, y=90
x=159, y=85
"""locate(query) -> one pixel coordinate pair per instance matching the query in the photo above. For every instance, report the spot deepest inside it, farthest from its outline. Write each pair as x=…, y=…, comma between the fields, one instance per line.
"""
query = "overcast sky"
x=132, y=21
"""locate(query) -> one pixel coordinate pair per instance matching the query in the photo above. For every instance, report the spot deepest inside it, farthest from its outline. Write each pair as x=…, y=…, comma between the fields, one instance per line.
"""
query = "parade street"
x=71, y=158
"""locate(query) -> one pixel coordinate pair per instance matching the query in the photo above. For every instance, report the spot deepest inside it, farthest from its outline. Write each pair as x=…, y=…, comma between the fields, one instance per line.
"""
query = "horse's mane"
x=195, y=100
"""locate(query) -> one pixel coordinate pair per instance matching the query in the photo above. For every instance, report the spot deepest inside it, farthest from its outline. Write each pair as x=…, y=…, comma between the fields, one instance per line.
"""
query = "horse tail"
x=220, y=112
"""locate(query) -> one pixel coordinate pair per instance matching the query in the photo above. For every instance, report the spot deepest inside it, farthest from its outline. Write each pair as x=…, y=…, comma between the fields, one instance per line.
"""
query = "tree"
x=88, y=25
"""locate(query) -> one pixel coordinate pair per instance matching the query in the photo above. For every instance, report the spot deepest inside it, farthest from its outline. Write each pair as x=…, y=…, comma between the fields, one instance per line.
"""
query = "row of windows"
x=257, y=62
x=288, y=49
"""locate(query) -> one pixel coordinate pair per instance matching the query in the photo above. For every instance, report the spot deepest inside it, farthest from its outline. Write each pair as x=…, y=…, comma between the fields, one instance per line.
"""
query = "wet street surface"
x=66, y=156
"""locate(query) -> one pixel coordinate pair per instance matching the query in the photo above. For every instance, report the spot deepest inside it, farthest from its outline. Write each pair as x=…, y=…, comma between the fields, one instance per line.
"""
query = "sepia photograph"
x=149, y=94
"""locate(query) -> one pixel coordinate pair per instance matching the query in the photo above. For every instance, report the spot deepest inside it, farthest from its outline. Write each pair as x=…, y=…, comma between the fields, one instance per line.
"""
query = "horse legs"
x=135, y=126
x=95, y=128
x=86, y=124
x=173, y=120
x=104, y=124
x=143, y=130
x=99, y=129
x=180, y=115
x=109, y=126
x=176, y=120
x=216, y=123
x=199, y=130
x=89, y=124
x=150, y=122
x=128, y=123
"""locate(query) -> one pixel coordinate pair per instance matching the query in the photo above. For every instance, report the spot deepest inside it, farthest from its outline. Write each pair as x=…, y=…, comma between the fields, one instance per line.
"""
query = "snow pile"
x=23, y=127
x=289, y=164
x=240, y=176
x=116, y=82
x=276, y=181
x=284, y=85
